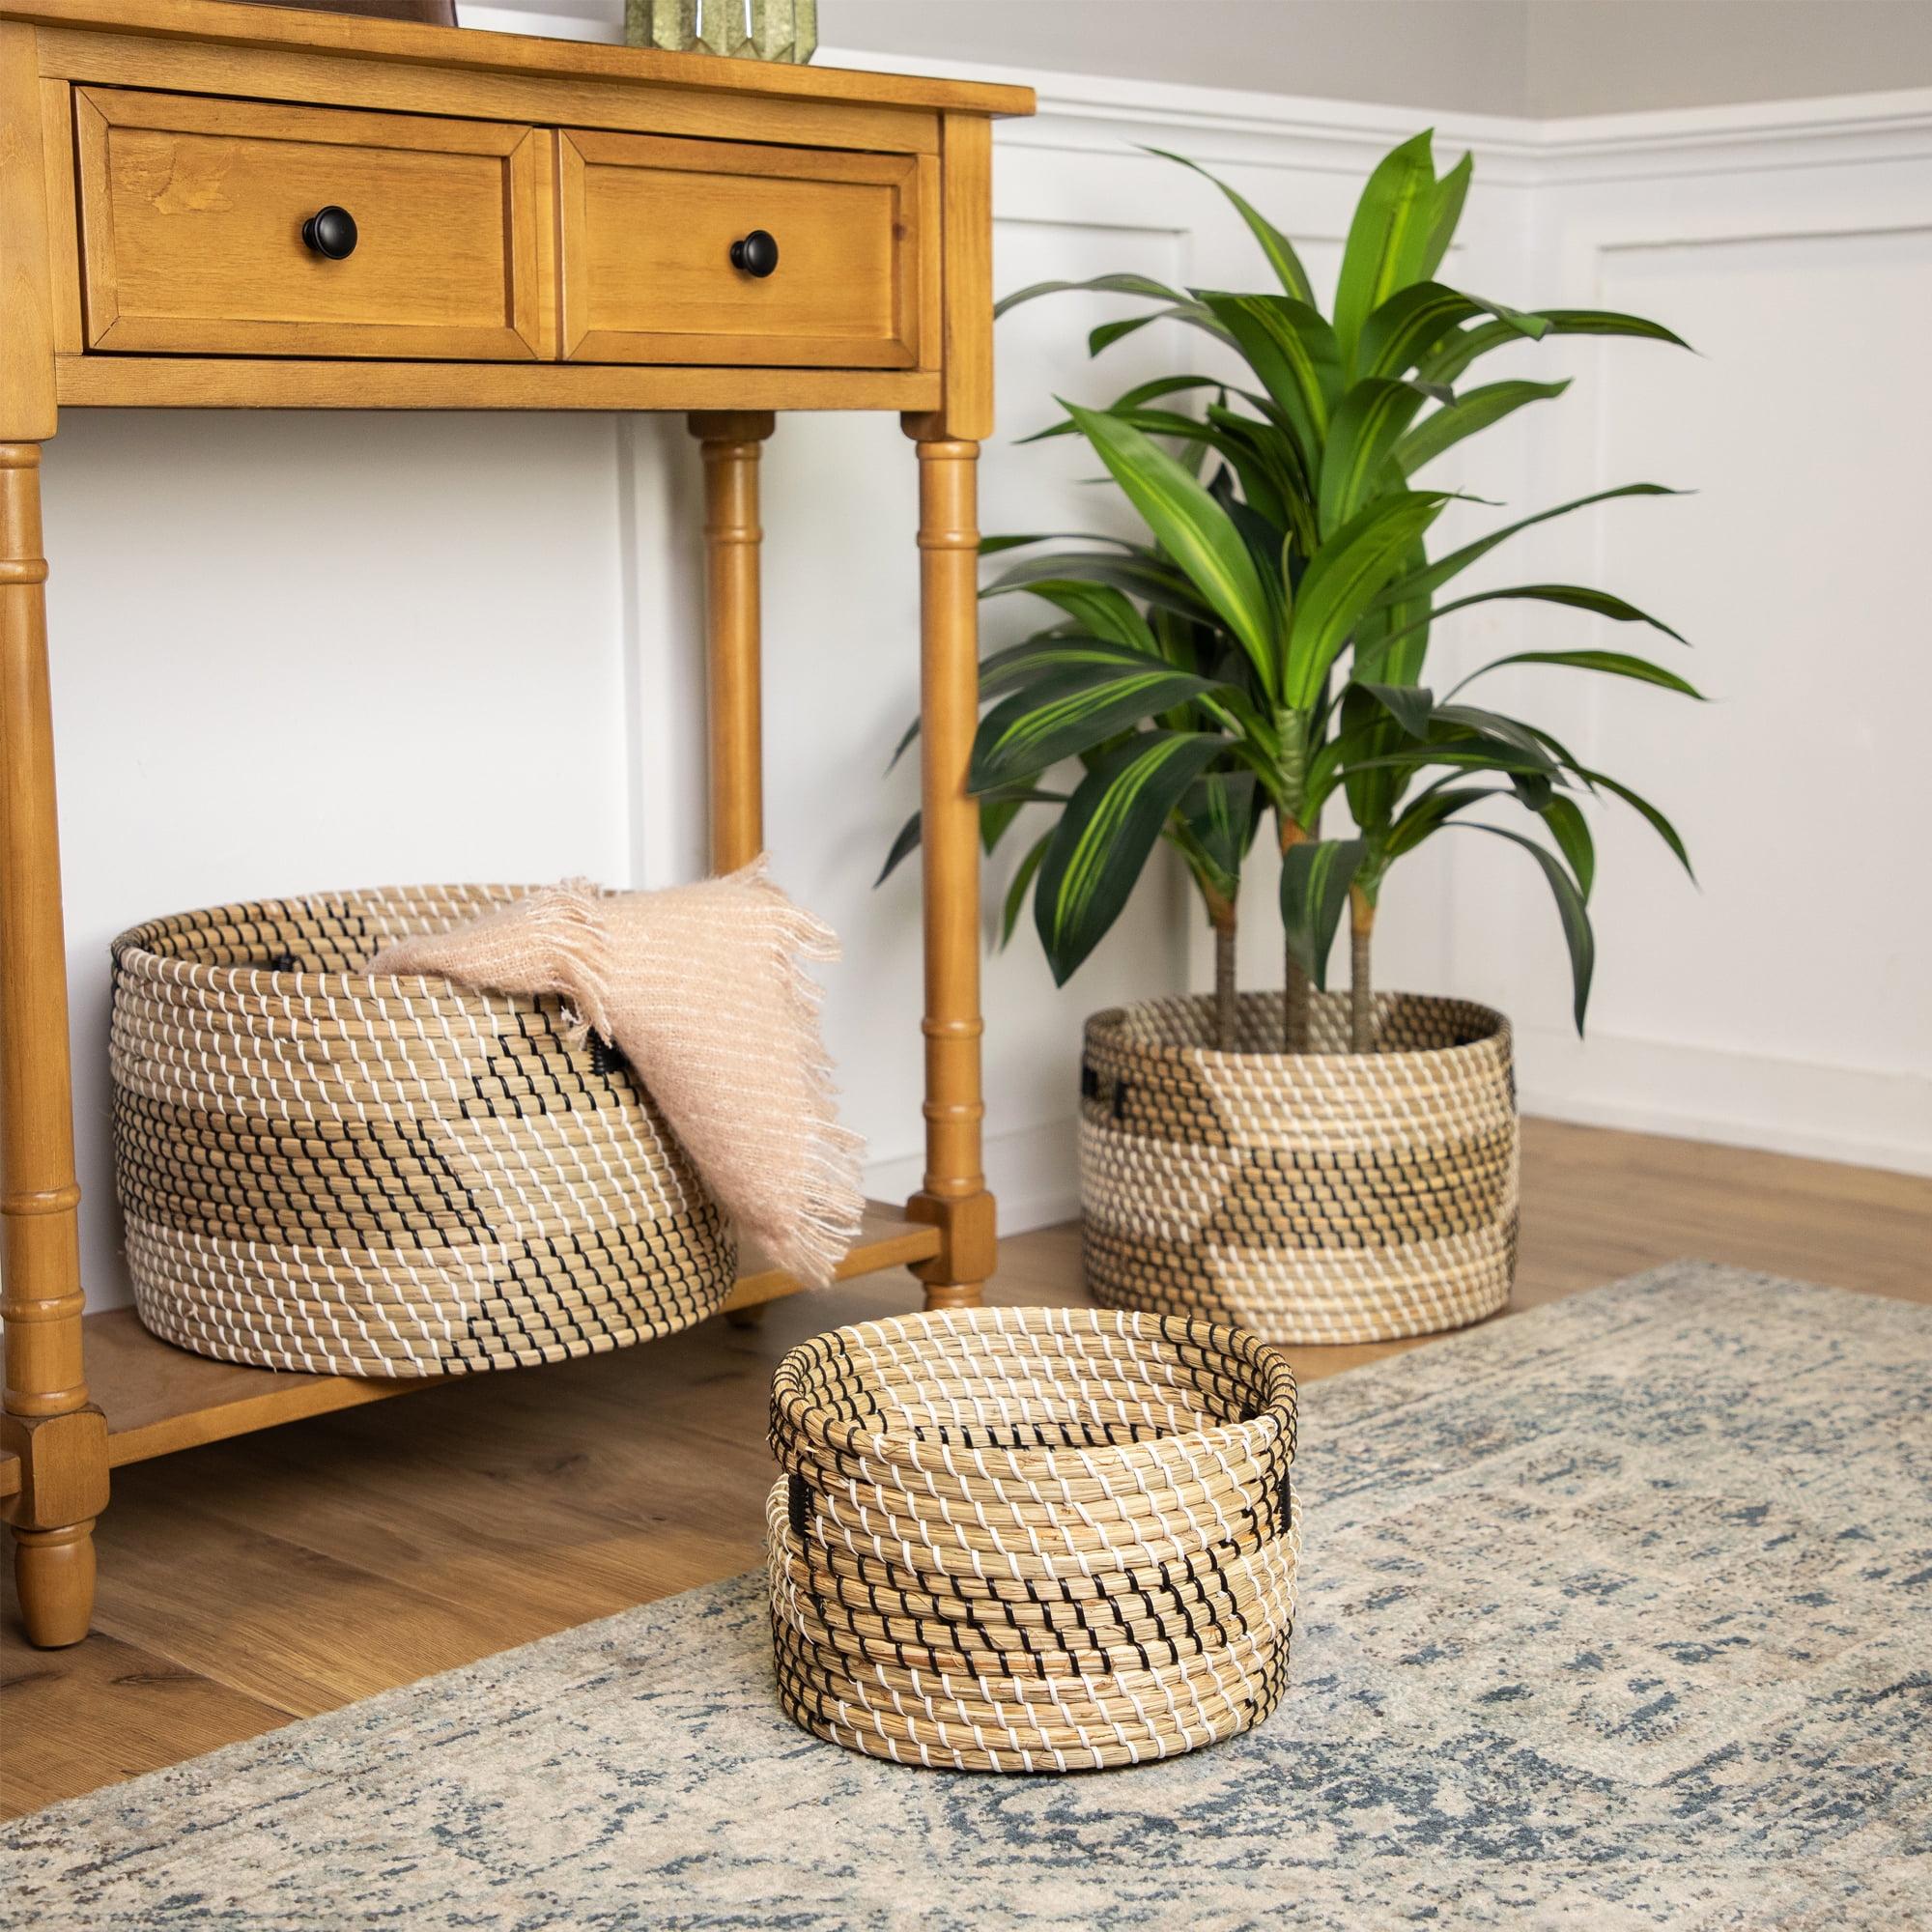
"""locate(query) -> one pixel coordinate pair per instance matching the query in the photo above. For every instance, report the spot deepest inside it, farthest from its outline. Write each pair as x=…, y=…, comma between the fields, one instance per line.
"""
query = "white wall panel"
x=299, y=652
x=294, y=652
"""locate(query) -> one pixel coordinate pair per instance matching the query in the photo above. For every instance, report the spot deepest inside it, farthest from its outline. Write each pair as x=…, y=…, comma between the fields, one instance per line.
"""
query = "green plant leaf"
x=1253, y=452
x=1388, y=240
x=1045, y=651
x=1315, y=879
x=1347, y=575
x=1365, y=429
x=1402, y=330
x=903, y=847
x=1142, y=575
x=1100, y=609
x=1151, y=421
x=1577, y=597
x=1293, y=352
x=1465, y=415
x=1451, y=191
x=1069, y=712
x=1190, y=312
x=1016, y=889
x=1056, y=650
x=1367, y=729
x=1460, y=753
x=1431, y=811
x=1275, y=245
x=1408, y=704
x=1570, y=908
x=1107, y=285
x=996, y=816
x=1572, y=832
x=1194, y=529
x=1615, y=664
x=1163, y=385
x=1112, y=822
x=1495, y=726
x=904, y=744
x=1645, y=810
x=1392, y=640
x=1425, y=583
x=1451, y=357
x=1220, y=813
x=997, y=811
x=993, y=546
x=1415, y=609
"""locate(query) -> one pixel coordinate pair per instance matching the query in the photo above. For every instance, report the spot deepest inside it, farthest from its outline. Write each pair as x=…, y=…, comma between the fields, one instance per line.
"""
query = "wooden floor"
x=271, y=1578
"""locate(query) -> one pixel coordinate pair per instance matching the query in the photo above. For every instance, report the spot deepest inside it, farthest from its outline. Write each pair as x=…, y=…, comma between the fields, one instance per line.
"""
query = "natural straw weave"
x=386, y=1176
x=1031, y=1539
x=1315, y=1198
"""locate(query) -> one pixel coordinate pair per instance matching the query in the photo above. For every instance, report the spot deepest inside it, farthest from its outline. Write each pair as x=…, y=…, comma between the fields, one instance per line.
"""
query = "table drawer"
x=192, y=216
x=648, y=227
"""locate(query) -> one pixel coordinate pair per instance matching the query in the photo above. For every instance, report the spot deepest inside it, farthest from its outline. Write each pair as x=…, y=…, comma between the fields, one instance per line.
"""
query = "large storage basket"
x=386, y=1176
x=1322, y=1196
x=1031, y=1539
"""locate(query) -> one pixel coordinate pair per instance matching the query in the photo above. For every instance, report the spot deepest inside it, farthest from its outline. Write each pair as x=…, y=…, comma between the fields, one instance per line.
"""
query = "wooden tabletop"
x=515, y=54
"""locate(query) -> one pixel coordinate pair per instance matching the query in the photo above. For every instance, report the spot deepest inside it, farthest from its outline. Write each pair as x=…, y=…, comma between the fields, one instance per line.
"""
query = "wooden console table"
x=214, y=206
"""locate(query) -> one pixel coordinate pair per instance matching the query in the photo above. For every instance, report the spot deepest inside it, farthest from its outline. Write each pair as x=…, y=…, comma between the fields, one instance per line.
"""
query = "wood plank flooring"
x=253, y=1582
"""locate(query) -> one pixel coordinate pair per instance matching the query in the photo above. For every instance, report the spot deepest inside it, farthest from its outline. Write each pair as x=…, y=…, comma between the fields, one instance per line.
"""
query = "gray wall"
x=1544, y=57
x=1599, y=56
x=1461, y=54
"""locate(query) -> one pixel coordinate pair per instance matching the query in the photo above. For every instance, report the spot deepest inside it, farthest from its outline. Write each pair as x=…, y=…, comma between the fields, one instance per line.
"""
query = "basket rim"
x=804, y=1417
x=130, y=951
x=1109, y=1022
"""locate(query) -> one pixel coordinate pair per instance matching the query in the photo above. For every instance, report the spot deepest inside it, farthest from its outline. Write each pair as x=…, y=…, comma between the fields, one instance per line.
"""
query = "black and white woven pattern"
x=398, y=1176
x=1031, y=1539
x=1315, y=1198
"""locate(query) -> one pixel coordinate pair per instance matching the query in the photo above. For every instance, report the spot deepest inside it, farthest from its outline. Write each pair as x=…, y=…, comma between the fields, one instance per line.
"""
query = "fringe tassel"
x=834, y=1199
x=805, y=1209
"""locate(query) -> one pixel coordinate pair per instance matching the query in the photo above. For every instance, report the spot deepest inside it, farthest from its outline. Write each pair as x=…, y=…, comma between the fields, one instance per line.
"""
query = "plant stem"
x=1298, y=995
x=1361, y=979
x=1222, y=915
x=1225, y=1010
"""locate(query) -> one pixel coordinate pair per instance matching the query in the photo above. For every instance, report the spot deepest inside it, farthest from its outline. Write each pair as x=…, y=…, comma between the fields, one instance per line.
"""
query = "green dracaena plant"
x=1133, y=644
x=1297, y=597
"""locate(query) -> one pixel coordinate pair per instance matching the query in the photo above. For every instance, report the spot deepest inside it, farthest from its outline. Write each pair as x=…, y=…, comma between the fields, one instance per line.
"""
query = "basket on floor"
x=1320, y=1197
x=386, y=1176
x=1031, y=1539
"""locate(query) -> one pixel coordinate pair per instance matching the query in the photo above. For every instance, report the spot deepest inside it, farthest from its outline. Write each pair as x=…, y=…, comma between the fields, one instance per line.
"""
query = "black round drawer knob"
x=332, y=232
x=757, y=254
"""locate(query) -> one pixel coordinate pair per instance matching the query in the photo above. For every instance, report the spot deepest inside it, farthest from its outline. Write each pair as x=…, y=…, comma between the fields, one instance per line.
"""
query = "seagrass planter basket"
x=322, y=1170
x=1031, y=1539
x=1323, y=1196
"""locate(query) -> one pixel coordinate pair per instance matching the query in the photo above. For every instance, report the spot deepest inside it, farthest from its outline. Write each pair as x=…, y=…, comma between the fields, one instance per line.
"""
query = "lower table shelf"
x=157, y=1398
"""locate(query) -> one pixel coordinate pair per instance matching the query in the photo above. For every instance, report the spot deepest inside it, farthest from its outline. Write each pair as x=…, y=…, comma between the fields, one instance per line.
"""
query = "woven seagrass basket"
x=1314, y=1198
x=386, y=1176
x=1031, y=1539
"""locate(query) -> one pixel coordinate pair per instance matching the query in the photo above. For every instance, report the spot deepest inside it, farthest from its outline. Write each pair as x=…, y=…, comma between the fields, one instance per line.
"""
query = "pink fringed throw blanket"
x=704, y=990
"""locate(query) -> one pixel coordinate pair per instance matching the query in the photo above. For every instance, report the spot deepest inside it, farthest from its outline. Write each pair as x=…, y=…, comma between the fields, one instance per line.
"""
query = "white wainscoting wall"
x=294, y=652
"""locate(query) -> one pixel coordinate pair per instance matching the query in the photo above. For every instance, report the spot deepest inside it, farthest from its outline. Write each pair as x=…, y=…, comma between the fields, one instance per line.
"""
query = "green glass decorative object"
x=772, y=29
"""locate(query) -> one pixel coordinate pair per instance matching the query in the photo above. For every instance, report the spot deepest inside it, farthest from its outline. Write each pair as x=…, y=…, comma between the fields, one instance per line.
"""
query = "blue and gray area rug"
x=1615, y=1614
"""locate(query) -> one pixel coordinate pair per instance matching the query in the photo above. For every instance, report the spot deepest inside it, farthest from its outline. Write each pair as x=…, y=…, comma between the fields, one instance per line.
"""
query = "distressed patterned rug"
x=1615, y=1614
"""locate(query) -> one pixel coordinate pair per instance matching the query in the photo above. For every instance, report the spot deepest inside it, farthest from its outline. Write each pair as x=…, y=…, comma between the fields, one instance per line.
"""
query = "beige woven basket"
x=321, y=1170
x=1314, y=1198
x=1031, y=1539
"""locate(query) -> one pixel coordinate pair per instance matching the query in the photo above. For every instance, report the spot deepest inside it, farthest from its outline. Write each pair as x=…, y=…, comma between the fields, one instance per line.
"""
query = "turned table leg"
x=955, y=1196
x=731, y=443
x=48, y=1423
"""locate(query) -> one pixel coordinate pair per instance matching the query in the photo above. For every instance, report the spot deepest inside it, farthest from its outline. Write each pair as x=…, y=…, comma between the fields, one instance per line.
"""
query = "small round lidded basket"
x=320, y=1169
x=1031, y=1539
